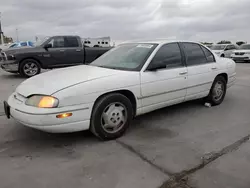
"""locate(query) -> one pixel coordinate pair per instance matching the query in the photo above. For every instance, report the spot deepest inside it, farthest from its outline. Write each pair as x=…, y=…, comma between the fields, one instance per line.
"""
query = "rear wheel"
x=29, y=68
x=111, y=116
x=217, y=91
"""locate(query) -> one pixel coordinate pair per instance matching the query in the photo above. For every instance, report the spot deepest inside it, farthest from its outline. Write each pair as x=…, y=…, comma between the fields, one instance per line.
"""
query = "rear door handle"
x=183, y=73
x=78, y=50
x=61, y=50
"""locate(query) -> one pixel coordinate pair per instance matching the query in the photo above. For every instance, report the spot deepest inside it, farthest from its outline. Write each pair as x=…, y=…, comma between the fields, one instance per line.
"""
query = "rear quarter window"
x=208, y=54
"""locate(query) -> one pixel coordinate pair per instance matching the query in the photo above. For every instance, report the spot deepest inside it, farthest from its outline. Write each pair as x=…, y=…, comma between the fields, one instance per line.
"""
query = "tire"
x=35, y=68
x=213, y=97
x=222, y=55
x=111, y=116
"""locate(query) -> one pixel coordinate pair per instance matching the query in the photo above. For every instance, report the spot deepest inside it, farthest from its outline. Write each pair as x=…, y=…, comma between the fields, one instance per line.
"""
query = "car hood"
x=217, y=51
x=24, y=50
x=55, y=80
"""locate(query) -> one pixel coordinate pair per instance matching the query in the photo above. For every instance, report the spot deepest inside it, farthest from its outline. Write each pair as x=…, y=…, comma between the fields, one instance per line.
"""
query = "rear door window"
x=71, y=42
x=194, y=54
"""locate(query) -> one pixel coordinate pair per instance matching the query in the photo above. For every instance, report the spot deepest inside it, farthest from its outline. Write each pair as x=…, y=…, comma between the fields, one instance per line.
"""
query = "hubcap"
x=218, y=91
x=114, y=117
x=30, y=68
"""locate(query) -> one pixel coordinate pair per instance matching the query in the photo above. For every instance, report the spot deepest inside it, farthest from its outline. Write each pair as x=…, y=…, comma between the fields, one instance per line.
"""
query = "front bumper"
x=51, y=123
x=231, y=80
x=240, y=57
x=9, y=66
x=46, y=120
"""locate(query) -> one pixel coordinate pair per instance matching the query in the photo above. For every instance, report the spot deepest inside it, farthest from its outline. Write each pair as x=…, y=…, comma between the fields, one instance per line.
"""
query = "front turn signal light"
x=64, y=115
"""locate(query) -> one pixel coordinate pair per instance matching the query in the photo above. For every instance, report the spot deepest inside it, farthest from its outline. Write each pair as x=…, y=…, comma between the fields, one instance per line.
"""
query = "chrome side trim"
x=153, y=95
x=53, y=112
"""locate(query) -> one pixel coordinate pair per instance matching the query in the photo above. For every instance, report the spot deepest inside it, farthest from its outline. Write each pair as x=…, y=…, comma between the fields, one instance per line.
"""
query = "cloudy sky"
x=199, y=20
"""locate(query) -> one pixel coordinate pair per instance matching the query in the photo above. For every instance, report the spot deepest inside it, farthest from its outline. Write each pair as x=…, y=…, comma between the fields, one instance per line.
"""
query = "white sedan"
x=224, y=50
x=129, y=80
x=242, y=54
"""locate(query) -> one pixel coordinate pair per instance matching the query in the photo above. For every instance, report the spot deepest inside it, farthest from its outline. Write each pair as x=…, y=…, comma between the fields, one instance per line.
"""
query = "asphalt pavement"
x=186, y=145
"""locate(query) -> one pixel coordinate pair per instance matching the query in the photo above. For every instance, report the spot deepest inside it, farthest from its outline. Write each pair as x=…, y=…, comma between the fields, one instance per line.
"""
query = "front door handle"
x=61, y=50
x=214, y=68
x=78, y=50
x=183, y=73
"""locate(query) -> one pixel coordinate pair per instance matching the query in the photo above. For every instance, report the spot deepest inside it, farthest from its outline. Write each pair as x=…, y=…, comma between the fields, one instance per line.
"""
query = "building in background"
x=97, y=42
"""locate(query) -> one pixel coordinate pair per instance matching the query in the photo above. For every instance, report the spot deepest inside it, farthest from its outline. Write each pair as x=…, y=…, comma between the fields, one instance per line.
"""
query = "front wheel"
x=217, y=91
x=29, y=68
x=111, y=116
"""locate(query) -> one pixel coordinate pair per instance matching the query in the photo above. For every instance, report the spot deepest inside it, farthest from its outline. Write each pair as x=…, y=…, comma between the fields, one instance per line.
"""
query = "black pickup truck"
x=54, y=52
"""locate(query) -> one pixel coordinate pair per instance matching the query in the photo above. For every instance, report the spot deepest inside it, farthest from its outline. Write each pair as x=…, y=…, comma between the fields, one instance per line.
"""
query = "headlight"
x=42, y=101
x=11, y=57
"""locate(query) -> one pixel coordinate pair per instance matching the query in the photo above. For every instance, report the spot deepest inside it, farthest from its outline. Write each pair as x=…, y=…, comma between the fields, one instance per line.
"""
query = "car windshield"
x=13, y=45
x=245, y=47
x=125, y=57
x=218, y=47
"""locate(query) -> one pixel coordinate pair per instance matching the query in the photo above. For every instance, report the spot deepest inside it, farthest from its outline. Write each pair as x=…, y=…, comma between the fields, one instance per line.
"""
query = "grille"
x=239, y=53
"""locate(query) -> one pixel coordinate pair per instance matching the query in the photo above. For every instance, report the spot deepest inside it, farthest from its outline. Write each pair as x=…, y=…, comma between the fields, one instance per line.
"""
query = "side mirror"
x=153, y=66
x=46, y=46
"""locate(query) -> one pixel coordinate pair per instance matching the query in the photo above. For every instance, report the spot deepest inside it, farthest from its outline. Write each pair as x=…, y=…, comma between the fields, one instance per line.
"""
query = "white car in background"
x=242, y=54
x=224, y=50
x=127, y=81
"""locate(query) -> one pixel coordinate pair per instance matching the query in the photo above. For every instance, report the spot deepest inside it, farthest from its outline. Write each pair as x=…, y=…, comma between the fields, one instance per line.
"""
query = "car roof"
x=157, y=41
x=222, y=44
x=65, y=36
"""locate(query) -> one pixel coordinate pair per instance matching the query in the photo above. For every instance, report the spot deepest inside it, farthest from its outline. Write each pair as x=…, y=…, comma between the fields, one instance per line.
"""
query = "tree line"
x=225, y=42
